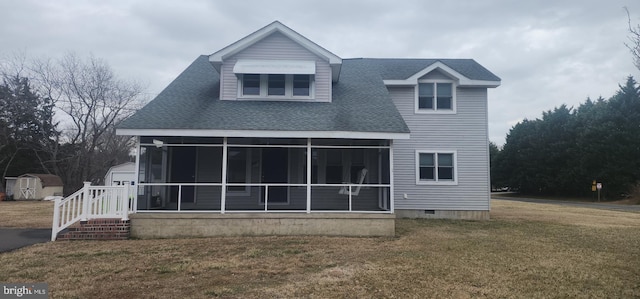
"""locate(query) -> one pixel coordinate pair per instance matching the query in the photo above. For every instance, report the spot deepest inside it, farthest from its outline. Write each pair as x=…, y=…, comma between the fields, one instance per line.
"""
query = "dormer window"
x=275, y=86
x=435, y=96
x=251, y=84
x=275, y=79
x=301, y=85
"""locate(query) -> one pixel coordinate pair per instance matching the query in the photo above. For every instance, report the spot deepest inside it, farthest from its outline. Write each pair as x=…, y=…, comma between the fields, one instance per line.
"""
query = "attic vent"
x=430, y=212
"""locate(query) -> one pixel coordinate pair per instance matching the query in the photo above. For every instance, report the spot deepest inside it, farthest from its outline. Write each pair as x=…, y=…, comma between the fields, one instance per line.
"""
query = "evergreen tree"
x=565, y=150
x=26, y=128
x=497, y=180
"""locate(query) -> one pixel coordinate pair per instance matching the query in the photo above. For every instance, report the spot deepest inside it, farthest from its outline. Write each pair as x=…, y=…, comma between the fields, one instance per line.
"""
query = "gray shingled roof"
x=47, y=180
x=400, y=69
x=361, y=102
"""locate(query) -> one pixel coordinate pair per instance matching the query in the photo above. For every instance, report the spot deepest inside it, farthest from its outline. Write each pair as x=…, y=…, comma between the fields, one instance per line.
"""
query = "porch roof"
x=191, y=105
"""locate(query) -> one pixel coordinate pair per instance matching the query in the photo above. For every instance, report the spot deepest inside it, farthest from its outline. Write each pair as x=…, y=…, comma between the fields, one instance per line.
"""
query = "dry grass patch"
x=554, y=213
x=517, y=254
x=26, y=214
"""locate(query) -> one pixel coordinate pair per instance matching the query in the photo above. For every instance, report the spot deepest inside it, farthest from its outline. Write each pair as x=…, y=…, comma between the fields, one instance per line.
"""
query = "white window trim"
x=264, y=89
x=436, y=181
x=454, y=87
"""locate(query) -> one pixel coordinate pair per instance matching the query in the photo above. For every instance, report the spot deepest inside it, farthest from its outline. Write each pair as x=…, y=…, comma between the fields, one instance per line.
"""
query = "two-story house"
x=274, y=134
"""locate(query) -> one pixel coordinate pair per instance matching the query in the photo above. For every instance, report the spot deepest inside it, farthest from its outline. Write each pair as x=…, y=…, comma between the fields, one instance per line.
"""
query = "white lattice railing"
x=92, y=202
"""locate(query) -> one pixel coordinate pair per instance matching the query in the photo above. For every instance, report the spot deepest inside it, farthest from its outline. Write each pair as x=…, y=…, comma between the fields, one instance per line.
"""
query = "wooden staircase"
x=94, y=213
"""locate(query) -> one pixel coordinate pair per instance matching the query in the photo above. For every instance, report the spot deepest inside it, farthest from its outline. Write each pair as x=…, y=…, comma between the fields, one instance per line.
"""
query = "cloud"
x=547, y=52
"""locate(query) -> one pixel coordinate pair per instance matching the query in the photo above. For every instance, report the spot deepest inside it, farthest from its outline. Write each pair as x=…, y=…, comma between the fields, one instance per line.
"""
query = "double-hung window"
x=436, y=167
x=436, y=97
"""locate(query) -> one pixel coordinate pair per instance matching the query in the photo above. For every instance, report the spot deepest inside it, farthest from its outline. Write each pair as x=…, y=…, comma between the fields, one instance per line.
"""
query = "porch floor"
x=196, y=224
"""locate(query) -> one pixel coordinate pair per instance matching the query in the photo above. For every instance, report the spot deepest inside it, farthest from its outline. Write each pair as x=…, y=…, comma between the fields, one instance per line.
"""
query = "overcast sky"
x=546, y=52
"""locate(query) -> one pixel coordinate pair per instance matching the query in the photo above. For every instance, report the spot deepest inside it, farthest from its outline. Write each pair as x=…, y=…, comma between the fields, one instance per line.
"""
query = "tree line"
x=58, y=116
x=567, y=149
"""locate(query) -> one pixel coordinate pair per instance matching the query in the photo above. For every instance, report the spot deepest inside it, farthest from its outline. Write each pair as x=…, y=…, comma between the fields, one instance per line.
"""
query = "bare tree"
x=92, y=101
x=634, y=40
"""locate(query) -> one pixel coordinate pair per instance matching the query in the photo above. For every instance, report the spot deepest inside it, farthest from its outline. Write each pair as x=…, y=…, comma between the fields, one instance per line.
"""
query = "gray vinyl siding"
x=464, y=132
x=276, y=46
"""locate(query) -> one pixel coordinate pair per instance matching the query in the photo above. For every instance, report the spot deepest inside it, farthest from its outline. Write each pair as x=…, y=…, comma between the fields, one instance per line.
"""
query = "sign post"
x=599, y=187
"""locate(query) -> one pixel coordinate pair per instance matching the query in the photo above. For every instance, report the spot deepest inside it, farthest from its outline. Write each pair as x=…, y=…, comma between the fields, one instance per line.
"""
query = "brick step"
x=98, y=229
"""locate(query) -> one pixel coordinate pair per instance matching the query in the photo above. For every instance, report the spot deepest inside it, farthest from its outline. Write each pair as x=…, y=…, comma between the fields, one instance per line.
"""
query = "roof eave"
x=461, y=79
x=263, y=133
x=463, y=83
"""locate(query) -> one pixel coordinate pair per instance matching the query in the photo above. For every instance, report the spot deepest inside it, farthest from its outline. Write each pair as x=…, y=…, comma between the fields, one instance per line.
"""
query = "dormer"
x=436, y=85
x=276, y=63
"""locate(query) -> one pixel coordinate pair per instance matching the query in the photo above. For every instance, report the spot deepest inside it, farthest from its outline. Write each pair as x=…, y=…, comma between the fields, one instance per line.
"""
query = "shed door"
x=28, y=187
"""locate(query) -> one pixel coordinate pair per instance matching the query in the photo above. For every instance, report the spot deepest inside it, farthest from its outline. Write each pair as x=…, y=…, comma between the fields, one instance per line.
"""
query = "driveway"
x=581, y=204
x=14, y=238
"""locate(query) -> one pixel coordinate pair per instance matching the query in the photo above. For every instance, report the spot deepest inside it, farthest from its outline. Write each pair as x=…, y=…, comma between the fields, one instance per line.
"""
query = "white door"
x=28, y=187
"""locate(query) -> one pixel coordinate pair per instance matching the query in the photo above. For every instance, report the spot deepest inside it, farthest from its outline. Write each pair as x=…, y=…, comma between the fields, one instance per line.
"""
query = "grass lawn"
x=26, y=214
x=527, y=250
x=593, y=198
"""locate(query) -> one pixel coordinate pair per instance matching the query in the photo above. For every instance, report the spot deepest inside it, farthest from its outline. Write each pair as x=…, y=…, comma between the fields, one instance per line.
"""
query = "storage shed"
x=37, y=186
x=121, y=174
x=9, y=183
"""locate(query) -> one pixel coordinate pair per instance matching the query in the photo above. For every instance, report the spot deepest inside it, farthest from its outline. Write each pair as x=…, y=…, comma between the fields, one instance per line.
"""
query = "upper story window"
x=301, y=85
x=275, y=79
x=251, y=84
x=435, y=97
x=276, y=86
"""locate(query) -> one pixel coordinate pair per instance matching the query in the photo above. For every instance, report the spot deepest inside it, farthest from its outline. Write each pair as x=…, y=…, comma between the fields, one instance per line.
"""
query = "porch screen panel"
x=238, y=167
x=208, y=170
x=182, y=170
x=327, y=166
x=243, y=170
x=282, y=165
x=209, y=165
x=153, y=169
x=143, y=203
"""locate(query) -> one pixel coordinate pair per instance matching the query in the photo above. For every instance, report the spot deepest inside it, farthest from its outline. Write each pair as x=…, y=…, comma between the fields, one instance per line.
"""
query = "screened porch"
x=264, y=175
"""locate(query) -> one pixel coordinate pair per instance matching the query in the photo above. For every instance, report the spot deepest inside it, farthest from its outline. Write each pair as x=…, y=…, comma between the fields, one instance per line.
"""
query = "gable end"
x=334, y=61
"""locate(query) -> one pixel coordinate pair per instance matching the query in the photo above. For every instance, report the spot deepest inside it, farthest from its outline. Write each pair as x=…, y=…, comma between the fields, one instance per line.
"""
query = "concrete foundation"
x=172, y=225
x=443, y=214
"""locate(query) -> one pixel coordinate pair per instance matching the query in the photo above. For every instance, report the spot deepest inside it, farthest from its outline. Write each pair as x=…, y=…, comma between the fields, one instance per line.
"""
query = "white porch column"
x=223, y=195
x=86, y=201
x=391, y=183
x=137, y=178
x=124, y=202
x=56, y=219
x=309, y=161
